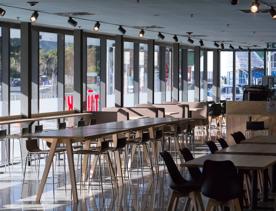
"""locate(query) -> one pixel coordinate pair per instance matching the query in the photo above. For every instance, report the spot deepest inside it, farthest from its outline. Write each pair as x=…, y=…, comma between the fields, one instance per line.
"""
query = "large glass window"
x=210, y=68
x=191, y=79
x=157, y=82
x=15, y=72
x=143, y=73
x=110, y=74
x=271, y=63
x=48, y=91
x=257, y=67
x=241, y=73
x=168, y=73
x=128, y=74
x=93, y=75
x=226, y=75
x=69, y=72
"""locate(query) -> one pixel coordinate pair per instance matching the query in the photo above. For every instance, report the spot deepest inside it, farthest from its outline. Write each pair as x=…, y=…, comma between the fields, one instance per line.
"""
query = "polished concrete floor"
x=140, y=193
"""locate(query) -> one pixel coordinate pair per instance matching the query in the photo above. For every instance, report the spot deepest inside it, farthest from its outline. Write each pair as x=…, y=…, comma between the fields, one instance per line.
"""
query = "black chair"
x=181, y=187
x=221, y=184
x=81, y=123
x=212, y=146
x=195, y=172
x=238, y=137
x=223, y=143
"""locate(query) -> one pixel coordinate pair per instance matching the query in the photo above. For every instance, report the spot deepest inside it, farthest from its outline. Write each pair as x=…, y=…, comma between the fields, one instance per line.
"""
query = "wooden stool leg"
x=172, y=204
x=237, y=206
x=210, y=205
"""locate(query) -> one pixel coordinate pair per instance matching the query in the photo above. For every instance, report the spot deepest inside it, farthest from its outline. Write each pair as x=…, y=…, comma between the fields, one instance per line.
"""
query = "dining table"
x=242, y=162
x=69, y=136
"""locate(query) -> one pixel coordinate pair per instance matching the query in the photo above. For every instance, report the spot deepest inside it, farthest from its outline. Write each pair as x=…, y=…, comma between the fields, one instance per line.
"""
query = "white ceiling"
x=215, y=20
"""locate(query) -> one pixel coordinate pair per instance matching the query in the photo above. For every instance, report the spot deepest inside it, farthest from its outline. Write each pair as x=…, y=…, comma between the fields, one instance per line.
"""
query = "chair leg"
x=187, y=204
x=210, y=205
x=237, y=206
x=172, y=202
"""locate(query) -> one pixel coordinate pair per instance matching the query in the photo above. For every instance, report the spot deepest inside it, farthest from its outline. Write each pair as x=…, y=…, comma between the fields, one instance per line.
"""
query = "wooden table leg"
x=85, y=161
x=46, y=170
x=72, y=171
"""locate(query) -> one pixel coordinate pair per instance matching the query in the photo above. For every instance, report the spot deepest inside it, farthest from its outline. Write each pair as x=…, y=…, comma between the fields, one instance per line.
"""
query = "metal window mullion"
x=184, y=70
x=78, y=70
x=84, y=72
x=26, y=68
x=136, y=73
x=175, y=72
x=265, y=65
x=234, y=76
x=103, y=71
x=119, y=71
x=162, y=75
x=35, y=72
x=151, y=70
x=205, y=75
x=249, y=68
x=197, y=74
x=5, y=71
x=61, y=71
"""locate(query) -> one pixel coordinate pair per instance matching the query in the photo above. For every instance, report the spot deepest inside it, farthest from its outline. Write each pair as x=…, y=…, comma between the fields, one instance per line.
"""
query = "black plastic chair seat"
x=94, y=151
x=238, y=137
x=221, y=181
x=223, y=143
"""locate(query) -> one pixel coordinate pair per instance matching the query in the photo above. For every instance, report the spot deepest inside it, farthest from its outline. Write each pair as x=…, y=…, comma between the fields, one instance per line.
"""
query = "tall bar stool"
x=4, y=141
x=141, y=141
x=100, y=150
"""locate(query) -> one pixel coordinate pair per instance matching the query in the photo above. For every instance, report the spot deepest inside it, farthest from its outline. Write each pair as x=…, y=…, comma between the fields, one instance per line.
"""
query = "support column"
x=78, y=70
x=61, y=71
x=119, y=71
x=175, y=72
x=197, y=74
x=151, y=71
x=249, y=68
x=26, y=69
x=136, y=73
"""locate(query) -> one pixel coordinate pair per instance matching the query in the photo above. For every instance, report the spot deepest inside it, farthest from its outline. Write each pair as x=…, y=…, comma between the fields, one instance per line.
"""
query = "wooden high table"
x=71, y=135
x=242, y=162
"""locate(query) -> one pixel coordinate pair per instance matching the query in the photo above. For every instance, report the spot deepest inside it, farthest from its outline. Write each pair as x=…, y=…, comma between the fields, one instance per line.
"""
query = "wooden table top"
x=260, y=140
x=99, y=130
x=252, y=149
x=252, y=162
x=24, y=120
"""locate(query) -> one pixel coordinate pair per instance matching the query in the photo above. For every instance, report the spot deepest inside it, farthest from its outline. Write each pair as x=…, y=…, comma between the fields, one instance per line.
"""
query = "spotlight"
x=222, y=46
x=2, y=12
x=161, y=36
x=72, y=22
x=255, y=6
x=97, y=26
x=201, y=43
x=175, y=38
x=234, y=2
x=231, y=46
x=272, y=12
x=240, y=48
x=142, y=33
x=190, y=40
x=122, y=30
x=34, y=16
x=216, y=44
